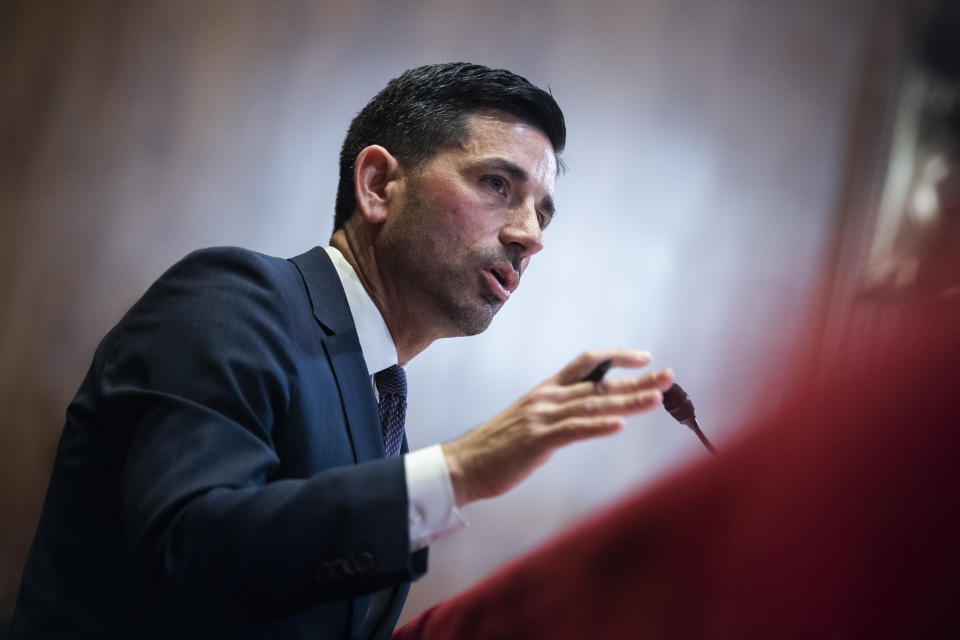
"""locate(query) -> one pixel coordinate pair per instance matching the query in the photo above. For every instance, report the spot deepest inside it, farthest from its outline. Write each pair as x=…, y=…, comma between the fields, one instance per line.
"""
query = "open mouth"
x=501, y=281
x=501, y=278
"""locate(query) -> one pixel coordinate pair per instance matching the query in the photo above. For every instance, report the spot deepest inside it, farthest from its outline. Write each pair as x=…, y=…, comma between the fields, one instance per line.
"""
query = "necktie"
x=392, y=386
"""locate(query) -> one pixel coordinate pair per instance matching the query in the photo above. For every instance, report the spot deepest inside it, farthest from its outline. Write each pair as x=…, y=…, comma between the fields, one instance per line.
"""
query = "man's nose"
x=523, y=230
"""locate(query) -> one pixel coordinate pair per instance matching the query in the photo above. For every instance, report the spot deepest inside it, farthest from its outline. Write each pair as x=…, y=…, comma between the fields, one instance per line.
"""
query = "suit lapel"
x=340, y=343
x=342, y=347
x=356, y=393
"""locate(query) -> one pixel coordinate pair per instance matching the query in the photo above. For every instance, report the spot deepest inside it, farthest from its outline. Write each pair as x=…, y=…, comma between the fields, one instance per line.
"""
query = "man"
x=224, y=471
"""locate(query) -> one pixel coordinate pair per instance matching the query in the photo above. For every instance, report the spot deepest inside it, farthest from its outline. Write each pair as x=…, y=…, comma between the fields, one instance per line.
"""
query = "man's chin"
x=470, y=322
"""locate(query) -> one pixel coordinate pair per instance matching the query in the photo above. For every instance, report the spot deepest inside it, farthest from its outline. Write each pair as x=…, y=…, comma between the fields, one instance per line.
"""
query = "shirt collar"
x=377, y=346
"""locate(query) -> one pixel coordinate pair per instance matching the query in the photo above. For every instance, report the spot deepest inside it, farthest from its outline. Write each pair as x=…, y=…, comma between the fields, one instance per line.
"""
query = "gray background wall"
x=705, y=152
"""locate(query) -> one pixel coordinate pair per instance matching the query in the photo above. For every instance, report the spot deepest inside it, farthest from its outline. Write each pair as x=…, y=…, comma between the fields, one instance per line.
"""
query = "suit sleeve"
x=192, y=384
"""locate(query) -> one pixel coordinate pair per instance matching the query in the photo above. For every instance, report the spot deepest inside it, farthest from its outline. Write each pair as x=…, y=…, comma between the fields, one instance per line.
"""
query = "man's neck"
x=360, y=254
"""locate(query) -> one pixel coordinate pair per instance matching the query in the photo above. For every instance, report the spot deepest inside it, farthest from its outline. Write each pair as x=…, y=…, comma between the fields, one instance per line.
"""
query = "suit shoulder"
x=217, y=292
x=227, y=262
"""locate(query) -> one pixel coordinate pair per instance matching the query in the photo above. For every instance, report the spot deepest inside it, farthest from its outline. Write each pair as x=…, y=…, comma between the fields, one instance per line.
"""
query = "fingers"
x=587, y=409
x=619, y=404
x=583, y=364
x=660, y=380
x=591, y=416
x=575, y=429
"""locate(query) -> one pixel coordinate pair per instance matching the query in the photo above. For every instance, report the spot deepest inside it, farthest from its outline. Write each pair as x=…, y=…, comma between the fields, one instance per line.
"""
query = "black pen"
x=599, y=371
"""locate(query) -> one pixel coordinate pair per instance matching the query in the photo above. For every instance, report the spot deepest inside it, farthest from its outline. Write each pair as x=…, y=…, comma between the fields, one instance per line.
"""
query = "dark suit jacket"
x=220, y=472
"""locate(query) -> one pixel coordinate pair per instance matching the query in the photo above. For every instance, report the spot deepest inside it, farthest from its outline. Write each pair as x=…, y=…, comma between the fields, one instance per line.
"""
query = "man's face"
x=468, y=222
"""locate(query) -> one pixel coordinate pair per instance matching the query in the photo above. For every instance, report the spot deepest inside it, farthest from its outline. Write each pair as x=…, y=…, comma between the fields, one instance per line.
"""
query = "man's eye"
x=497, y=183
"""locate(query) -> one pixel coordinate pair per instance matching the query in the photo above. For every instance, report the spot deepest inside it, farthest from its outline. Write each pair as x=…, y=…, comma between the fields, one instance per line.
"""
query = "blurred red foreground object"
x=836, y=519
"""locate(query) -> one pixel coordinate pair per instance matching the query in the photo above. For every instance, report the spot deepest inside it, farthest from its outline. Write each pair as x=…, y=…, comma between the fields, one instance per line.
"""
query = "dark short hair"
x=425, y=110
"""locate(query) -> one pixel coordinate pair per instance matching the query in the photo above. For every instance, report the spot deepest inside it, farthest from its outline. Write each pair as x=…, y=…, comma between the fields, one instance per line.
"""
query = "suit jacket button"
x=330, y=571
x=362, y=561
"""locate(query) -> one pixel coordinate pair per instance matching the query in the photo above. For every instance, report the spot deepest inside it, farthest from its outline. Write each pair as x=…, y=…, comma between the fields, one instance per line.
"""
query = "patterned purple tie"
x=392, y=386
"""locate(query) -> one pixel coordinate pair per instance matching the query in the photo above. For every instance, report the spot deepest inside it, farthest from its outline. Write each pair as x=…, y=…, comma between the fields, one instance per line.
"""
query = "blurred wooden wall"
x=132, y=132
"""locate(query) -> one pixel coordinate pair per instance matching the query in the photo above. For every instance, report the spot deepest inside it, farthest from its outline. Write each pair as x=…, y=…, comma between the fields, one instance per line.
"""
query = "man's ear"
x=374, y=173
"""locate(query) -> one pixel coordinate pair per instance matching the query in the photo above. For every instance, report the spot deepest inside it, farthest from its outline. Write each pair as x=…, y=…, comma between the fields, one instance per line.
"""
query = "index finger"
x=586, y=362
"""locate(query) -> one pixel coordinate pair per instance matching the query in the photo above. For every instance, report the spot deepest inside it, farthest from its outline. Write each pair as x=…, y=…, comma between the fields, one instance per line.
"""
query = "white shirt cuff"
x=433, y=510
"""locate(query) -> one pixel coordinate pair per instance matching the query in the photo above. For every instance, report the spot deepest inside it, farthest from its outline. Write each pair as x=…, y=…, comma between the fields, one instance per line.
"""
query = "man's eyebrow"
x=517, y=173
x=513, y=170
x=547, y=205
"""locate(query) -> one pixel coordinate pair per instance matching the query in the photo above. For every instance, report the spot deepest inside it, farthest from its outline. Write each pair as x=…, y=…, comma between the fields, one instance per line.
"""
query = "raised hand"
x=495, y=456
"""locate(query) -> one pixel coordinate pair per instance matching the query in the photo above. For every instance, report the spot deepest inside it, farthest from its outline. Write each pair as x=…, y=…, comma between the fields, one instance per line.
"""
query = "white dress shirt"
x=432, y=508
